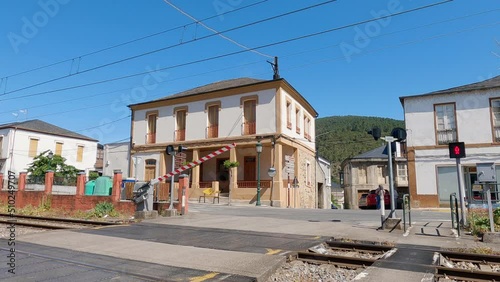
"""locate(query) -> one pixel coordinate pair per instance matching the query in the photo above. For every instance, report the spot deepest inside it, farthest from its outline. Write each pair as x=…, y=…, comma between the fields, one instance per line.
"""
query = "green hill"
x=342, y=137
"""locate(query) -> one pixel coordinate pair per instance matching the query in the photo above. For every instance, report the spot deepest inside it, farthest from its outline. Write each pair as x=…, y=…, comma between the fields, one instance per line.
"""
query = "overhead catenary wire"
x=215, y=31
x=241, y=51
x=287, y=55
x=169, y=47
x=134, y=40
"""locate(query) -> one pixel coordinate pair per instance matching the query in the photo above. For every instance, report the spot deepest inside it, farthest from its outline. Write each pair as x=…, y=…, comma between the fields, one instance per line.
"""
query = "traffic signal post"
x=457, y=151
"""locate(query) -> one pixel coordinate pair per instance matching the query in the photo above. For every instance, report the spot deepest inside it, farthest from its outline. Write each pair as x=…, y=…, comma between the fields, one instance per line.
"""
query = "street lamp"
x=258, y=147
x=50, y=155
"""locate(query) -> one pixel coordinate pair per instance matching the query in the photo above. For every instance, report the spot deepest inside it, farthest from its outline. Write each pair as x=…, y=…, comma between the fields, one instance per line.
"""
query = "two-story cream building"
x=243, y=111
x=469, y=114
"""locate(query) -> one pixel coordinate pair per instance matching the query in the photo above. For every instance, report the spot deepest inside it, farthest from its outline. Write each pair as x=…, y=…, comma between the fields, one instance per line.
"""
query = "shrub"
x=104, y=208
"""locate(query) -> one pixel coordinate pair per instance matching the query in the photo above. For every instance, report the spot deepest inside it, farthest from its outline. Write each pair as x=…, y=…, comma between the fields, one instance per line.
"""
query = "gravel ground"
x=298, y=271
x=20, y=230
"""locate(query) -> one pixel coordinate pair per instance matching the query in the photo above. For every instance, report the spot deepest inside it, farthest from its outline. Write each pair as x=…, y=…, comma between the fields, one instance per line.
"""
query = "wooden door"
x=249, y=169
x=150, y=170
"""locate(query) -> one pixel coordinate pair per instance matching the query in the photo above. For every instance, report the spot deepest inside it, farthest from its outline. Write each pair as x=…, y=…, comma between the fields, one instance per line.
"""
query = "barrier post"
x=49, y=181
x=183, y=194
x=21, y=183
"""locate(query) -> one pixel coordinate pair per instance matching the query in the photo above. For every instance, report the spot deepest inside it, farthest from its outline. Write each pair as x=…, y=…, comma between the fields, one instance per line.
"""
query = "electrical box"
x=486, y=172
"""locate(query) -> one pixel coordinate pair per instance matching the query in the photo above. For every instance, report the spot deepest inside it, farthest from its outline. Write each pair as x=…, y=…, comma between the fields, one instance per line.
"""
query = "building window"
x=59, y=148
x=362, y=175
x=180, y=132
x=249, y=114
x=152, y=128
x=288, y=114
x=33, y=148
x=213, y=121
x=402, y=173
x=307, y=128
x=495, y=115
x=308, y=174
x=445, y=122
x=381, y=174
x=297, y=120
x=79, y=154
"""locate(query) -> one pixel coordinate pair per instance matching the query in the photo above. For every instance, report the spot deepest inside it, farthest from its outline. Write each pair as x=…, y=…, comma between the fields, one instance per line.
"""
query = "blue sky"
x=358, y=70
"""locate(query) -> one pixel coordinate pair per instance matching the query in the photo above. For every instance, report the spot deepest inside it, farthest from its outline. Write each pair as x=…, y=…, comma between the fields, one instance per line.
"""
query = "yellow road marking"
x=272, y=251
x=317, y=237
x=204, y=277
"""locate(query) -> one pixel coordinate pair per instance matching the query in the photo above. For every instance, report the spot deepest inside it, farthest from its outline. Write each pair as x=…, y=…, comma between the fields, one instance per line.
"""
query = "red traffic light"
x=457, y=150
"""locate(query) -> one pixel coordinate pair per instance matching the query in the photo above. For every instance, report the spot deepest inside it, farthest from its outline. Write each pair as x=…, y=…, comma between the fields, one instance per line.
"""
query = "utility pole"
x=389, y=140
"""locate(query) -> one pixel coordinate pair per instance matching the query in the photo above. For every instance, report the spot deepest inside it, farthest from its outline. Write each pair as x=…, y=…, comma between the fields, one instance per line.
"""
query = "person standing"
x=379, y=191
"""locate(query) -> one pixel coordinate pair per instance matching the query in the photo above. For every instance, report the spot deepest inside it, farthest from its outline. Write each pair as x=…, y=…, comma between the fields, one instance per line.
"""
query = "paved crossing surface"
x=219, y=243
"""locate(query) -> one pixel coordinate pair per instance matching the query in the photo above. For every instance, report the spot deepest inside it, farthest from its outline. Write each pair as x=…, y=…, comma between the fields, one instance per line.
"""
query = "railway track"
x=51, y=222
x=468, y=267
x=344, y=254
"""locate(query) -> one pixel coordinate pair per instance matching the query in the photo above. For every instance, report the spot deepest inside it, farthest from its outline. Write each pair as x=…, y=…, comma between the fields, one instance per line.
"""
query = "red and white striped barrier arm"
x=190, y=165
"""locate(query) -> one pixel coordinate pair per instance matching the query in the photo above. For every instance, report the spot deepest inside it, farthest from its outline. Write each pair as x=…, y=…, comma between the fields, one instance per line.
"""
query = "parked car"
x=362, y=203
x=371, y=199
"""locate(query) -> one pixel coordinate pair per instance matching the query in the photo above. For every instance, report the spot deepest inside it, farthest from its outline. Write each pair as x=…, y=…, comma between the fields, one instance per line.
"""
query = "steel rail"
x=358, y=247
x=467, y=275
x=478, y=258
x=57, y=219
x=33, y=224
x=341, y=261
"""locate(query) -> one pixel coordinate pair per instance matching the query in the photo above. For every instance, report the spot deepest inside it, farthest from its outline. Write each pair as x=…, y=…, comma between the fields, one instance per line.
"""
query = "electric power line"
x=238, y=52
x=169, y=47
x=134, y=40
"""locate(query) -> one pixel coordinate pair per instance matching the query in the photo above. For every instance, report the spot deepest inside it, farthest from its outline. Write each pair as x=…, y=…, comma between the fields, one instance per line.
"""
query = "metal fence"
x=35, y=179
x=65, y=181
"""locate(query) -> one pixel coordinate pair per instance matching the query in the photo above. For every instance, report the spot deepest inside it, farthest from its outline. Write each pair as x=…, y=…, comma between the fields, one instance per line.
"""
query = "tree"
x=42, y=163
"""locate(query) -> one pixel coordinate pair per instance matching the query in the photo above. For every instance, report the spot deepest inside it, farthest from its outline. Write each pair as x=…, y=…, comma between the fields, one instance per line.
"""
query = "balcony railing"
x=213, y=131
x=249, y=128
x=253, y=184
x=497, y=133
x=151, y=138
x=180, y=135
x=205, y=184
x=447, y=136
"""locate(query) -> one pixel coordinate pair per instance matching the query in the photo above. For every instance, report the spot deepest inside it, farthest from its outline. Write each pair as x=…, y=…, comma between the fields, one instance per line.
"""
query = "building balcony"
x=446, y=136
x=307, y=136
x=151, y=138
x=297, y=129
x=213, y=131
x=249, y=128
x=289, y=125
x=180, y=135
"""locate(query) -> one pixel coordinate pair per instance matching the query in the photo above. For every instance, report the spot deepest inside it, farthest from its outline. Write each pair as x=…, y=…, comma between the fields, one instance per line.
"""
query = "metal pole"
x=391, y=177
x=171, y=206
x=461, y=192
x=382, y=208
x=288, y=192
x=490, y=211
x=258, y=179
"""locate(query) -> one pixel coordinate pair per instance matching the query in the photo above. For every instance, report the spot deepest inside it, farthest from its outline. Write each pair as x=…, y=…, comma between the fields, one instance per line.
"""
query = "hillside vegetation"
x=342, y=137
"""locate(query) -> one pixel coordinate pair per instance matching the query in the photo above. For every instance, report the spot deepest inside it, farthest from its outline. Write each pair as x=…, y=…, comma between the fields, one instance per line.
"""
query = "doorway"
x=222, y=176
x=249, y=173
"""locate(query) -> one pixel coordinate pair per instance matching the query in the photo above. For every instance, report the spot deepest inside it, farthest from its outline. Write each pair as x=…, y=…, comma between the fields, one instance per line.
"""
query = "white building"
x=116, y=157
x=469, y=114
x=243, y=111
x=20, y=142
x=324, y=178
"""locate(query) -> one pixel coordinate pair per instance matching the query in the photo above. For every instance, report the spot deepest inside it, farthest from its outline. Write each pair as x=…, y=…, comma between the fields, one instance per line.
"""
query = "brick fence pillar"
x=183, y=185
x=1, y=181
x=49, y=181
x=21, y=183
x=117, y=183
x=80, y=183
